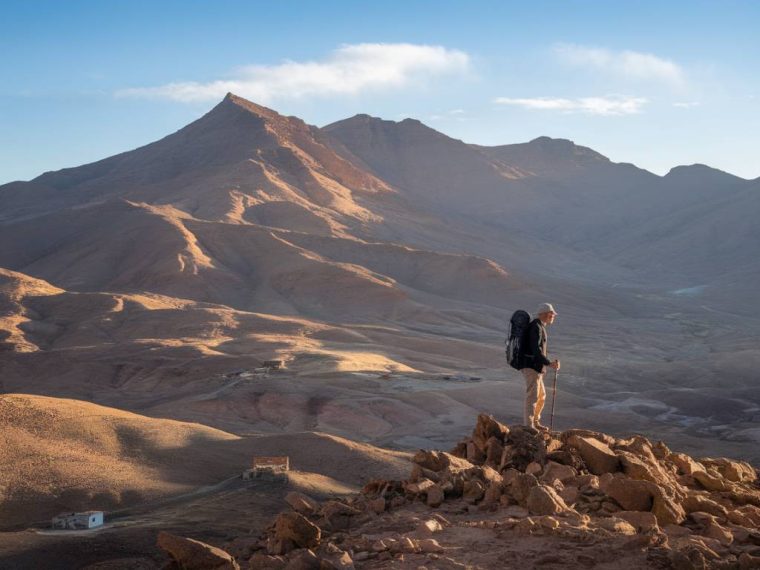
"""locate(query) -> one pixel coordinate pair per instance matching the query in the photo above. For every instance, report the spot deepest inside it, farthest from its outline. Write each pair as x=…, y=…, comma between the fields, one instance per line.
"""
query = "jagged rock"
x=261, y=561
x=636, y=467
x=435, y=496
x=660, y=450
x=586, y=482
x=665, y=508
x=460, y=450
x=630, y=494
x=304, y=560
x=474, y=454
x=554, y=470
x=493, y=493
x=597, y=456
x=521, y=486
x=699, y=503
x=570, y=494
x=419, y=473
x=420, y=487
x=439, y=460
x=736, y=471
x=716, y=531
x=642, y=521
x=543, y=500
x=337, y=515
x=297, y=528
x=688, y=559
x=494, y=452
x=192, y=554
x=569, y=457
x=301, y=503
x=617, y=525
x=685, y=464
x=710, y=482
x=473, y=491
x=486, y=428
x=602, y=437
x=523, y=446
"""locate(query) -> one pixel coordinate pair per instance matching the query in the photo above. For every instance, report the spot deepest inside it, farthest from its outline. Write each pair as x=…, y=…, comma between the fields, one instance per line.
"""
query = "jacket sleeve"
x=533, y=349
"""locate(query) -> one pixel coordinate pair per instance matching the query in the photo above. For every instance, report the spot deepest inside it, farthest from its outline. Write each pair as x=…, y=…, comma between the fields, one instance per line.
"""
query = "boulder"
x=644, y=469
x=429, y=545
x=543, y=500
x=192, y=554
x=666, y=509
x=261, y=561
x=298, y=529
x=685, y=464
x=439, y=460
x=474, y=454
x=641, y=521
x=304, y=559
x=570, y=494
x=616, y=525
x=494, y=451
x=569, y=457
x=597, y=456
x=486, y=428
x=719, y=533
x=435, y=496
x=554, y=470
x=493, y=493
x=521, y=486
x=419, y=487
x=301, y=503
x=473, y=490
x=736, y=471
x=337, y=515
x=602, y=437
x=710, y=481
x=630, y=494
x=699, y=503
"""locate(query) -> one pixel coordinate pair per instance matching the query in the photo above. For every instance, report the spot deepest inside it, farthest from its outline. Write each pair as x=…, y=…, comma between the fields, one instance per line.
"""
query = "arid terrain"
x=380, y=261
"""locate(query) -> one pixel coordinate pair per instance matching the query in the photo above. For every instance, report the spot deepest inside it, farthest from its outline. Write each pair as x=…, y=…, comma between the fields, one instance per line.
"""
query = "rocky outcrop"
x=629, y=493
x=189, y=554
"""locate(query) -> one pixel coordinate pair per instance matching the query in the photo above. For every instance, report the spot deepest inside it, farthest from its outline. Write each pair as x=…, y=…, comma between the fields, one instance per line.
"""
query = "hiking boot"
x=542, y=427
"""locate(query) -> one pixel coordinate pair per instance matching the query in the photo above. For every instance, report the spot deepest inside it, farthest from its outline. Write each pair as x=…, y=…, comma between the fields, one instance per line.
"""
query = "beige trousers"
x=535, y=396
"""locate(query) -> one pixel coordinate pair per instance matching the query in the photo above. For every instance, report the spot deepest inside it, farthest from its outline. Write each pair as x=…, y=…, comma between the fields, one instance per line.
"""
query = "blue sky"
x=653, y=83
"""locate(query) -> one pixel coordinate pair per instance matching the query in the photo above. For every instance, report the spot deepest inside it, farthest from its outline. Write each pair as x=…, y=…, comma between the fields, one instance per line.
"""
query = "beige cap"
x=545, y=308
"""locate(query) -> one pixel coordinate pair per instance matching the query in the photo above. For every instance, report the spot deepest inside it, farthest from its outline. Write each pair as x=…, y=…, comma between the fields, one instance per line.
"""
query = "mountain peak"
x=235, y=100
x=701, y=174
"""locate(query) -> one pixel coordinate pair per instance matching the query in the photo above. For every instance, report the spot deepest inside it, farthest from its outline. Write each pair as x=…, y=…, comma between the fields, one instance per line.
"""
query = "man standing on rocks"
x=535, y=363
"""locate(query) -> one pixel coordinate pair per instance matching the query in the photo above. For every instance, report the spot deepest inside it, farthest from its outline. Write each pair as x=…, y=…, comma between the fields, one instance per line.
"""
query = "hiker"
x=534, y=363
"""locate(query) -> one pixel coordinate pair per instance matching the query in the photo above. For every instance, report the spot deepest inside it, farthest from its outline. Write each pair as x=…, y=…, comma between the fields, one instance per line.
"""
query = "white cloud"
x=349, y=70
x=612, y=105
x=686, y=104
x=628, y=64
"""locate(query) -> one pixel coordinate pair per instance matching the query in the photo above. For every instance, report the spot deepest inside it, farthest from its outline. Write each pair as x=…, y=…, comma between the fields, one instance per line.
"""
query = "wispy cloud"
x=627, y=63
x=349, y=70
x=686, y=104
x=612, y=105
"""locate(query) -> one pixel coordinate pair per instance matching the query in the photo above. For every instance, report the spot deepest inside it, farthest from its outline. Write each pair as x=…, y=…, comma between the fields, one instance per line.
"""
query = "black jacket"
x=534, y=354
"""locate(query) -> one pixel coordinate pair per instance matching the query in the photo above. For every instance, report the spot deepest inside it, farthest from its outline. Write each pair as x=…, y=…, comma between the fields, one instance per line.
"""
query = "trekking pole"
x=554, y=399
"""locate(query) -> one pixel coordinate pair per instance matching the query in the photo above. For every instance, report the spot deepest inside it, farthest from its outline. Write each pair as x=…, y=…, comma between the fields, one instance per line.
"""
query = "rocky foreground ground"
x=512, y=497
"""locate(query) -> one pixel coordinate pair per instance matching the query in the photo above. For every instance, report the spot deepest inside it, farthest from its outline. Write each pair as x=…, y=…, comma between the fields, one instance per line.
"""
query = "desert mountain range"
x=381, y=261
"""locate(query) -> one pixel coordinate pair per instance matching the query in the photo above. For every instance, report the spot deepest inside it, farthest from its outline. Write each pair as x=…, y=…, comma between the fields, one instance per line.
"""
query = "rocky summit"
x=514, y=497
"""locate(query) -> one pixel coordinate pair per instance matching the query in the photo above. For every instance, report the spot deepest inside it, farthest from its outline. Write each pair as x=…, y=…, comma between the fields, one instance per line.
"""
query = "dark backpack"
x=518, y=326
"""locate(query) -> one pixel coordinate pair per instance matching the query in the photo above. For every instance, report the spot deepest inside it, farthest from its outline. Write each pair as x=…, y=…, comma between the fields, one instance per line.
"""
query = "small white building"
x=78, y=521
x=271, y=468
